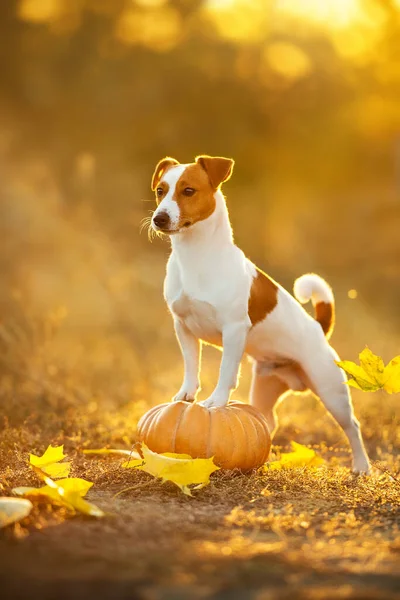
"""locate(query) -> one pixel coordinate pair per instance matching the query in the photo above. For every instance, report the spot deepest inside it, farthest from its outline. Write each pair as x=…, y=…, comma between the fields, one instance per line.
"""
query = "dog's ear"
x=218, y=169
x=160, y=169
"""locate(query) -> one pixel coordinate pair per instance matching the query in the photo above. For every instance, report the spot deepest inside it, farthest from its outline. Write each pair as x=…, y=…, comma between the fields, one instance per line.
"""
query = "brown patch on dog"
x=201, y=204
x=325, y=315
x=218, y=168
x=160, y=170
x=165, y=188
x=263, y=297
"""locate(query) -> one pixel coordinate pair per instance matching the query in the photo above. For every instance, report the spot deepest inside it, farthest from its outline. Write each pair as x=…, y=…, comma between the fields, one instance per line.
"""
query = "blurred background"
x=303, y=94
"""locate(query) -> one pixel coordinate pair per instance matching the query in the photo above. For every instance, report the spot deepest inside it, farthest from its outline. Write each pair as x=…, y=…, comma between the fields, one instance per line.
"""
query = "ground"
x=300, y=533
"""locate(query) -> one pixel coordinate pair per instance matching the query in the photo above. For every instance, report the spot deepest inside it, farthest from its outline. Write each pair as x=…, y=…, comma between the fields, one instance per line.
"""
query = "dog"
x=217, y=296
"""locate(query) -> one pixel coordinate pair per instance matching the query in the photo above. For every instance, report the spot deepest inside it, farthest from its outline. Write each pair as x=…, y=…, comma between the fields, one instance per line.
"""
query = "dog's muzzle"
x=162, y=220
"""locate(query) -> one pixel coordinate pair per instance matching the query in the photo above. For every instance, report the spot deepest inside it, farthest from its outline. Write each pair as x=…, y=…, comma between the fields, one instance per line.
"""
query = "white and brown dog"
x=218, y=296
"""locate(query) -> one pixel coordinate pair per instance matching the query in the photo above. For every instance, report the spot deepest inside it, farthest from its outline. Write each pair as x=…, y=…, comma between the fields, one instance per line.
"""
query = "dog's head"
x=185, y=194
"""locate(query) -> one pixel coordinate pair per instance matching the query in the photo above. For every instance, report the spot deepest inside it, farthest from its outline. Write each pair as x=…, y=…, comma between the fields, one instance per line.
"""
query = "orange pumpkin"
x=236, y=435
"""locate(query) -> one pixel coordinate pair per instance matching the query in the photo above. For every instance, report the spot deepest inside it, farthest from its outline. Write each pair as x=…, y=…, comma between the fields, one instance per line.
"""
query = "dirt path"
x=300, y=534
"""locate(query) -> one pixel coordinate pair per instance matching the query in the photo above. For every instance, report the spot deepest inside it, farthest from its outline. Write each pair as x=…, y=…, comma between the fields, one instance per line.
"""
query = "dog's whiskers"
x=146, y=224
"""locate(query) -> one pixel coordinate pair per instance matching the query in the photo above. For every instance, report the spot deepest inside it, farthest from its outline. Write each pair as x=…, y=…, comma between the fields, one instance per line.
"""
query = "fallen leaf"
x=179, y=456
x=372, y=375
x=181, y=469
x=50, y=464
x=52, y=455
x=13, y=510
x=23, y=490
x=83, y=506
x=57, y=470
x=69, y=492
x=300, y=457
x=71, y=484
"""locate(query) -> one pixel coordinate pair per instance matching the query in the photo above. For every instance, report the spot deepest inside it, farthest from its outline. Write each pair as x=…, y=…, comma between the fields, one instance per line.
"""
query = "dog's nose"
x=161, y=220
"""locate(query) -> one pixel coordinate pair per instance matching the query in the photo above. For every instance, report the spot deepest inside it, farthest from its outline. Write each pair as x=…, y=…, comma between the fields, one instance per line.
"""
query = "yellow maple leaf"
x=300, y=457
x=57, y=470
x=13, y=510
x=392, y=373
x=50, y=463
x=71, y=484
x=373, y=366
x=181, y=469
x=69, y=492
x=52, y=455
x=372, y=375
x=24, y=490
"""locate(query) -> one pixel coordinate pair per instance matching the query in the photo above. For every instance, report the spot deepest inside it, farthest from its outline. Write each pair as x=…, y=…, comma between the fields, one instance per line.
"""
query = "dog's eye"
x=189, y=191
x=159, y=192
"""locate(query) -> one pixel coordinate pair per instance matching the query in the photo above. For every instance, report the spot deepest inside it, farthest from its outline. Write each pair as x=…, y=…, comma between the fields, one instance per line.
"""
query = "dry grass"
x=299, y=534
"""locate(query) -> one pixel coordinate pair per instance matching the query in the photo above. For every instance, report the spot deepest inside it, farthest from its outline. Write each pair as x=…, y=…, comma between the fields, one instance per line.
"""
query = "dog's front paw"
x=186, y=394
x=362, y=467
x=215, y=401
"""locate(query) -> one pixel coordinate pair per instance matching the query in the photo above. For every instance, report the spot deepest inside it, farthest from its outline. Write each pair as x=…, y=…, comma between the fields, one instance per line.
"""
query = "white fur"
x=312, y=287
x=168, y=204
x=207, y=290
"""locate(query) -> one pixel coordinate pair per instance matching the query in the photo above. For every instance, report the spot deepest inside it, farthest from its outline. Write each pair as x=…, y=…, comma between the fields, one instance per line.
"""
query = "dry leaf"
x=24, y=490
x=50, y=464
x=13, y=510
x=392, y=371
x=72, y=484
x=69, y=492
x=300, y=457
x=181, y=469
x=371, y=374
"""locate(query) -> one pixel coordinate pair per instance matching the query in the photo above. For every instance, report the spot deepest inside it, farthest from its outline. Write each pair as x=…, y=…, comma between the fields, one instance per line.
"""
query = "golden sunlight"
x=40, y=12
x=333, y=13
x=158, y=29
x=150, y=3
x=220, y=4
x=287, y=60
x=243, y=21
x=239, y=20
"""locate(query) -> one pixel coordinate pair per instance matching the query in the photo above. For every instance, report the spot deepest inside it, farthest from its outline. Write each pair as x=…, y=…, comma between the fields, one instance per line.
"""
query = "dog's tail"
x=313, y=287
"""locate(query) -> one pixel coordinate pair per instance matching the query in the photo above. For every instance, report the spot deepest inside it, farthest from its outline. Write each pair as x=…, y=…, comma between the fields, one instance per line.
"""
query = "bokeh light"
x=303, y=94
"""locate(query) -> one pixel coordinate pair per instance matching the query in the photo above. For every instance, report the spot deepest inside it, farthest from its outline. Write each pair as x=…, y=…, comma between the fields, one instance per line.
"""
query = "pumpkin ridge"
x=238, y=419
x=145, y=418
x=190, y=408
x=226, y=420
x=153, y=414
x=237, y=410
x=253, y=451
x=178, y=422
x=209, y=436
x=225, y=432
x=153, y=424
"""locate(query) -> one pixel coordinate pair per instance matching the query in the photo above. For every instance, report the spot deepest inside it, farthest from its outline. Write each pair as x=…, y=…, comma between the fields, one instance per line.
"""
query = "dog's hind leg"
x=327, y=382
x=266, y=390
